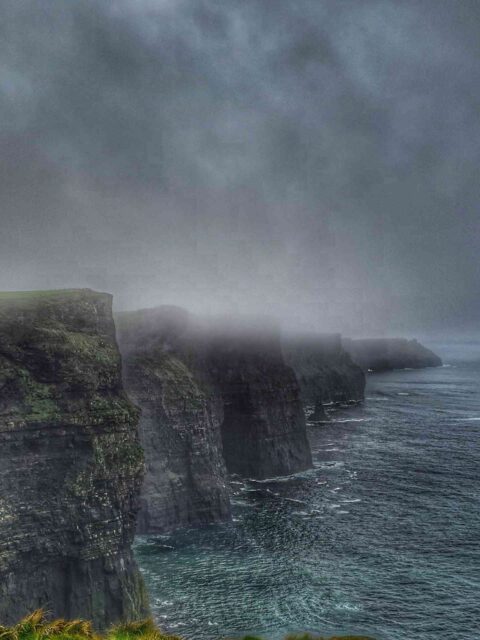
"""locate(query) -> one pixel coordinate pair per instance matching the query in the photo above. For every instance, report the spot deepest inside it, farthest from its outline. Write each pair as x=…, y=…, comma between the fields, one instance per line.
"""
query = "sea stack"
x=71, y=462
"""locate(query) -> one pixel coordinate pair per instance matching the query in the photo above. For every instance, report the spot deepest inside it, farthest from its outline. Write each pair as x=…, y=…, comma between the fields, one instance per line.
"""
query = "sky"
x=312, y=160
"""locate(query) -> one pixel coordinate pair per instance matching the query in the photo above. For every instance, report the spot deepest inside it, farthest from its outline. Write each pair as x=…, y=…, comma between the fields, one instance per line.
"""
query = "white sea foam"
x=244, y=503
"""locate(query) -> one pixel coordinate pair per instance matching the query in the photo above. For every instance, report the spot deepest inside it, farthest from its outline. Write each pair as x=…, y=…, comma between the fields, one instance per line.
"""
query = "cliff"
x=212, y=401
x=185, y=483
x=325, y=371
x=71, y=464
x=263, y=428
x=385, y=354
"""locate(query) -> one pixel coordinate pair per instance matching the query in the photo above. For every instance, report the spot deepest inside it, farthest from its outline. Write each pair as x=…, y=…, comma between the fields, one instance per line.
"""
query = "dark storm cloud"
x=313, y=159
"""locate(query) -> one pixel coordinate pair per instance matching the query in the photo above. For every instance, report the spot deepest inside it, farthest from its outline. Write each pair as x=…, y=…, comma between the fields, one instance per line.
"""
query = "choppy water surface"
x=382, y=537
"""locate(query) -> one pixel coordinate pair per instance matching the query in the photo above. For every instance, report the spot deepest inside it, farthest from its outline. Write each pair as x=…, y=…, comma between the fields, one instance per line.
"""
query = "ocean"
x=381, y=538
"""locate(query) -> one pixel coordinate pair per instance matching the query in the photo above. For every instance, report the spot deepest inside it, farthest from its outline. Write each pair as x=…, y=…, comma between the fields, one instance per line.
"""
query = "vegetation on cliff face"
x=71, y=463
x=58, y=360
x=180, y=388
x=37, y=626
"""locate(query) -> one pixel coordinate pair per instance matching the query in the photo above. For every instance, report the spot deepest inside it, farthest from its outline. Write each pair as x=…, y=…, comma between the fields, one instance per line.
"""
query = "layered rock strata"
x=71, y=463
x=385, y=354
x=165, y=375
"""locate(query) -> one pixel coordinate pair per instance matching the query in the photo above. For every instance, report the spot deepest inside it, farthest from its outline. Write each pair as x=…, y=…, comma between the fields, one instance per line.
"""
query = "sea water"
x=381, y=538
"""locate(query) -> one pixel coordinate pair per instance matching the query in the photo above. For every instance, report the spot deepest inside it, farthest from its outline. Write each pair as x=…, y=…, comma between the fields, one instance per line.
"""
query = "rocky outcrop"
x=325, y=371
x=263, y=428
x=165, y=375
x=385, y=354
x=71, y=464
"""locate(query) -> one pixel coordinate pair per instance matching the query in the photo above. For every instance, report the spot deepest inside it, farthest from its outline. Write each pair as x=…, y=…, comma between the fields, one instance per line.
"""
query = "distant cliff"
x=384, y=354
x=325, y=371
x=263, y=427
x=71, y=464
x=165, y=375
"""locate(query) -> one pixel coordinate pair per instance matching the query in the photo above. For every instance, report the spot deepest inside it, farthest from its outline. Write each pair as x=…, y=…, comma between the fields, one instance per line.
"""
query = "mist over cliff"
x=311, y=160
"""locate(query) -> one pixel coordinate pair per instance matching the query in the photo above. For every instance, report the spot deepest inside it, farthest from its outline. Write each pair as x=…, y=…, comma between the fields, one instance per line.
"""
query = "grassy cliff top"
x=37, y=627
x=46, y=295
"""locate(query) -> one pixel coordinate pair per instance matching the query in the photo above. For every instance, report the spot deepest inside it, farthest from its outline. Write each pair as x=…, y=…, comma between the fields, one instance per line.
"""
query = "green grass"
x=37, y=626
x=25, y=299
x=44, y=293
x=36, y=293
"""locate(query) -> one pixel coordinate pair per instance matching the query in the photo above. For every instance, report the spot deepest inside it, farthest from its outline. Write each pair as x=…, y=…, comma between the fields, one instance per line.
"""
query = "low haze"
x=316, y=161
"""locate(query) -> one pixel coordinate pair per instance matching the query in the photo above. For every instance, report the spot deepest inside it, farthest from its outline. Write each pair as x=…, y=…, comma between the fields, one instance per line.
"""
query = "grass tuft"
x=37, y=626
x=143, y=630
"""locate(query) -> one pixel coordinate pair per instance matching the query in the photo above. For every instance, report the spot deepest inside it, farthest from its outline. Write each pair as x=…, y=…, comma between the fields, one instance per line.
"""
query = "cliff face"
x=263, y=428
x=185, y=482
x=211, y=401
x=71, y=464
x=325, y=371
x=384, y=354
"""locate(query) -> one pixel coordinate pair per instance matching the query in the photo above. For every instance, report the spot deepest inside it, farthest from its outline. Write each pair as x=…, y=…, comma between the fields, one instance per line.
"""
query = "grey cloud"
x=312, y=159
